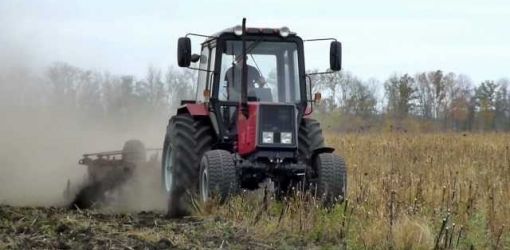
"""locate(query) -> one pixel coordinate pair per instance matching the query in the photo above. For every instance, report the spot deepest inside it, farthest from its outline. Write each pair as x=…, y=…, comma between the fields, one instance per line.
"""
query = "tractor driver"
x=233, y=78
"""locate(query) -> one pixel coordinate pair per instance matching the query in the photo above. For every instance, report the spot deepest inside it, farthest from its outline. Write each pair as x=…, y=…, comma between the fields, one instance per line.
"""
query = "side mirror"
x=184, y=52
x=335, y=56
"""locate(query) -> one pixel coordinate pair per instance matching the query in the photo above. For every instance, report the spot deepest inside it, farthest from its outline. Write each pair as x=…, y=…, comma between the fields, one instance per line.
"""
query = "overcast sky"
x=379, y=39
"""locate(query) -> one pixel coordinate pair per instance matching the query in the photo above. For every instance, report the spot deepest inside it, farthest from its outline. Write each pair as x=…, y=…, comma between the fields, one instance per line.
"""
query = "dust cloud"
x=40, y=144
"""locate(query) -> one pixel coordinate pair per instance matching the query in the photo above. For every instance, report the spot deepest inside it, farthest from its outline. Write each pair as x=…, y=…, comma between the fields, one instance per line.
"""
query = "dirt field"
x=405, y=191
x=49, y=228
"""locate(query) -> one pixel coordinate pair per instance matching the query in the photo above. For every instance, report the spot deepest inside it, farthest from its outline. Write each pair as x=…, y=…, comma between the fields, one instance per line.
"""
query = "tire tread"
x=191, y=137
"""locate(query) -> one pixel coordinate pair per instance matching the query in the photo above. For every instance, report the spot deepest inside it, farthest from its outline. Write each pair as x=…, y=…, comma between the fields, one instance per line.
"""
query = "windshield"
x=273, y=72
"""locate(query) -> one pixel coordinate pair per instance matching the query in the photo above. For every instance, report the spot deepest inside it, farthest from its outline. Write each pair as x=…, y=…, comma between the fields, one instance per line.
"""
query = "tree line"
x=425, y=101
x=69, y=92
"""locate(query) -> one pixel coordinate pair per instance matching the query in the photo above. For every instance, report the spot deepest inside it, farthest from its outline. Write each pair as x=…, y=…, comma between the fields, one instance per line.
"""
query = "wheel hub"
x=204, y=185
x=168, y=168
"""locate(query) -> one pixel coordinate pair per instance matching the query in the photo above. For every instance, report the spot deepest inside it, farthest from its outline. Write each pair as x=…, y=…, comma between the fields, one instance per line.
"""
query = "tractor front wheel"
x=331, y=177
x=218, y=177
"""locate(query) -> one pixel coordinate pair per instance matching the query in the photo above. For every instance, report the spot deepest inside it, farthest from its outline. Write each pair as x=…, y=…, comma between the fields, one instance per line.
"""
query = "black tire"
x=134, y=152
x=309, y=138
x=331, y=177
x=185, y=142
x=218, y=177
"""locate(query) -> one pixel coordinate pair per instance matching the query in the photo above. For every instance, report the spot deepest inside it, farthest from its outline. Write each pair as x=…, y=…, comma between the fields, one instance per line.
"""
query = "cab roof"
x=249, y=31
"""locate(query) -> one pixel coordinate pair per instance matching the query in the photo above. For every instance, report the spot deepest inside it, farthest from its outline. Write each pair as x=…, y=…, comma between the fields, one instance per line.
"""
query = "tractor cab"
x=273, y=58
x=273, y=86
x=249, y=121
x=273, y=69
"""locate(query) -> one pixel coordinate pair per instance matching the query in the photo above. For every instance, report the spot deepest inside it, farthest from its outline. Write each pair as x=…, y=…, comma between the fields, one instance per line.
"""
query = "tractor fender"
x=322, y=150
x=199, y=110
x=194, y=109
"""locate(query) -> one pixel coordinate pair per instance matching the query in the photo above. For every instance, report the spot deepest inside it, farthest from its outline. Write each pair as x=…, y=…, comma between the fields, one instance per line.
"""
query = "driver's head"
x=239, y=59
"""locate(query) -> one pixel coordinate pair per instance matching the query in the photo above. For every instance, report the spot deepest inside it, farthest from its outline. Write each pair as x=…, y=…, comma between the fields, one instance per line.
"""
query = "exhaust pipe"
x=244, y=77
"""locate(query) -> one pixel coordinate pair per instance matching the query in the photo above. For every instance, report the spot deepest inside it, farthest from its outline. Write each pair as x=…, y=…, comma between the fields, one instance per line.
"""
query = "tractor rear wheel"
x=331, y=177
x=186, y=141
x=310, y=138
x=218, y=177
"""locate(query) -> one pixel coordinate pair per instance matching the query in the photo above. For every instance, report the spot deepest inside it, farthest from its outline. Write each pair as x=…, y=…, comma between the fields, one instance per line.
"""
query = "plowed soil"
x=58, y=228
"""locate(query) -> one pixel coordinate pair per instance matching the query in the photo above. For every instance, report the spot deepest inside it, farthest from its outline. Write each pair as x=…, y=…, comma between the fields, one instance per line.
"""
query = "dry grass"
x=405, y=191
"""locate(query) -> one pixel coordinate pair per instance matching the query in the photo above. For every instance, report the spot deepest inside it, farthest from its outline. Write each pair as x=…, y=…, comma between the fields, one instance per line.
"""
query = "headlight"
x=267, y=137
x=238, y=30
x=286, y=138
x=284, y=31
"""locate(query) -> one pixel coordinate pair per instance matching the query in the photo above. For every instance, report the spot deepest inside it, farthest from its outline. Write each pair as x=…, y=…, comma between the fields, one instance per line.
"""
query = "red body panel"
x=195, y=109
x=247, y=130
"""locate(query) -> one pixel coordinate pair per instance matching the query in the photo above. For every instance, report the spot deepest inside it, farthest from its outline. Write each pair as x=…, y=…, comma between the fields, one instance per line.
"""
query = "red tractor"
x=250, y=121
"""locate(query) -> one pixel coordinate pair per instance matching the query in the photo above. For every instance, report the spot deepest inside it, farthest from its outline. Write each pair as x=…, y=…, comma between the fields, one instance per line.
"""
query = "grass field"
x=405, y=191
x=415, y=191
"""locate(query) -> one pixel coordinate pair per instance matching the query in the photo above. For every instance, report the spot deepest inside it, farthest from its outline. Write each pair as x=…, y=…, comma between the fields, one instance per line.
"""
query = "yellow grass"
x=405, y=191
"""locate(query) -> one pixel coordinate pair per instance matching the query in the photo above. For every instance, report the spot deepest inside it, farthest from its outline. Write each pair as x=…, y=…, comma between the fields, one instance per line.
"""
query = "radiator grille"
x=277, y=119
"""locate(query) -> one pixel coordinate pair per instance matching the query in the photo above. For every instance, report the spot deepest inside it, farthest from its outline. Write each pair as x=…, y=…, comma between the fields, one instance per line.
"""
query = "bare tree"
x=180, y=85
x=63, y=80
x=401, y=94
x=486, y=95
x=502, y=105
x=460, y=105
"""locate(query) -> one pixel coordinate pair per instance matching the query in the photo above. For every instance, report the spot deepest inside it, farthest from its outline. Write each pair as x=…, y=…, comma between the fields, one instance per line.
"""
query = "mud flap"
x=321, y=150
